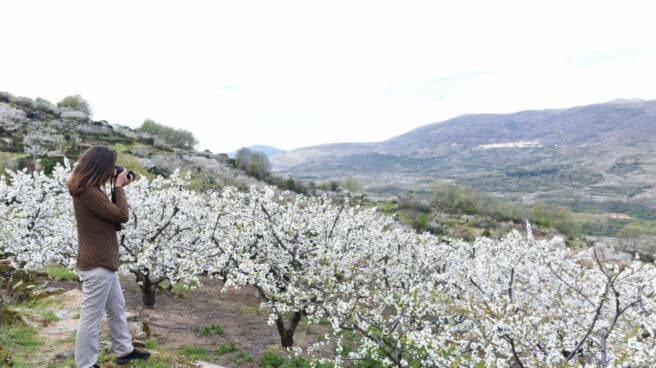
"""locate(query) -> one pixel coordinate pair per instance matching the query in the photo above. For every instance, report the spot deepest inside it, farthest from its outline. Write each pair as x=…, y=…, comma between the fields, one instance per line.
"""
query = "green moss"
x=60, y=273
x=9, y=317
x=45, y=304
x=21, y=284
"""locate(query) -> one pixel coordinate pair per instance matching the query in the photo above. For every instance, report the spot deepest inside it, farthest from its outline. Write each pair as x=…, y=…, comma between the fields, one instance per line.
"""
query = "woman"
x=97, y=259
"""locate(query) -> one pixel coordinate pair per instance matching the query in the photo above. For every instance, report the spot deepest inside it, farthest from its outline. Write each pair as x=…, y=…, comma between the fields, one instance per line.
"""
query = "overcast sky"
x=294, y=74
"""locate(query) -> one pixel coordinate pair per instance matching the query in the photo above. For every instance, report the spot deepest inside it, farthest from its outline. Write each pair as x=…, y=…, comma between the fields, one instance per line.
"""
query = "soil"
x=173, y=320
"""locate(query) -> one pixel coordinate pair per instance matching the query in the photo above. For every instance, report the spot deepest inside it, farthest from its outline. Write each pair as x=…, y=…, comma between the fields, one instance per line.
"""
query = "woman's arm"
x=98, y=203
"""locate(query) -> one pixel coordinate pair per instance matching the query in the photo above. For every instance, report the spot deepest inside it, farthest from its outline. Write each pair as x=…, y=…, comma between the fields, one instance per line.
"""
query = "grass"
x=67, y=340
x=179, y=288
x=225, y=348
x=270, y=360
x=249, y=310
x=19, y=342
x=387, y=207
x=44, y=304
x=151, y=344
x=9, y=160
x=240, y=357
x=58, y=272
x=158, y=360
x=195, y=352
x=131, y=162
x=211, y=330
x=49, y=316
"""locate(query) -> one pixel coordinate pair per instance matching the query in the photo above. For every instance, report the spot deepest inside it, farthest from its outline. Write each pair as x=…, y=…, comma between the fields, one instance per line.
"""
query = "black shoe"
x=135, y=354
x=95, y=366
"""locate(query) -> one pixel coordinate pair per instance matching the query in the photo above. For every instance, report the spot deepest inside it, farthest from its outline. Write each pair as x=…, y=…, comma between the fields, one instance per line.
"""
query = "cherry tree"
x=37, y=226
x=513, y=302
x=539, y=303
x=162, y=240
x=411, y=299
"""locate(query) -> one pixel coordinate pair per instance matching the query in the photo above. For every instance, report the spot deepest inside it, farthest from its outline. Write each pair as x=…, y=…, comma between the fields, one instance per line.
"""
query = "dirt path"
x=55, y=318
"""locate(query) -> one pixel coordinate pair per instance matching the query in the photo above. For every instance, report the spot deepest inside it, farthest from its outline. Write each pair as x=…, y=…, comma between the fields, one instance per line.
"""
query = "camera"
x=119, y=170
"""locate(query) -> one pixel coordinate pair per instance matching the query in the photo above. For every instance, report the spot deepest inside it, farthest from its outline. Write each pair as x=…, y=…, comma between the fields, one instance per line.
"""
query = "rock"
x=106, y=346
x=136, y=331
x=62, y=313
x=18, y=285
x=131, y=317
x=40, y=292
x=202, y=364
x=42, y=321
x=61, y=356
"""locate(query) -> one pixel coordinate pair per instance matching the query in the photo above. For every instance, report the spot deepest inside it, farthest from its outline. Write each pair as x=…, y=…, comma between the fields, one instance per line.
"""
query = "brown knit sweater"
x=96, y=218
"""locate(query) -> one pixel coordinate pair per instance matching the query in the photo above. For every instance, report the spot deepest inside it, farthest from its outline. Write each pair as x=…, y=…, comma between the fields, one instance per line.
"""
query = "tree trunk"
x=287, y=333
x=148, y=292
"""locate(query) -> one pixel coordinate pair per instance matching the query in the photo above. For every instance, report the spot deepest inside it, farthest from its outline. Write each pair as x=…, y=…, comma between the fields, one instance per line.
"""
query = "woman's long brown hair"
x=93, y=169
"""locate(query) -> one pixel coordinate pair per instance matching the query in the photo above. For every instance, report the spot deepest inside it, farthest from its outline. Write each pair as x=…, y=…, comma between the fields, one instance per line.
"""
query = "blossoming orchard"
x=410, y=299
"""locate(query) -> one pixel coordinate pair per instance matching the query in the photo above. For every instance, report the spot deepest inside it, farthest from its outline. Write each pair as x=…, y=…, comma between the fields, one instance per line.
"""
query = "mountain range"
x=590, y=155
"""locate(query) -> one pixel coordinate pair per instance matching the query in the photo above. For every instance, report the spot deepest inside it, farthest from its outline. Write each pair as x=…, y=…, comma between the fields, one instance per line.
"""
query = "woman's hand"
x=122, y=180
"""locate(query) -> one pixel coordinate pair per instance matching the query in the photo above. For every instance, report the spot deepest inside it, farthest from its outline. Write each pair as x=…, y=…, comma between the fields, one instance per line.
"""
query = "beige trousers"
x=101, y=291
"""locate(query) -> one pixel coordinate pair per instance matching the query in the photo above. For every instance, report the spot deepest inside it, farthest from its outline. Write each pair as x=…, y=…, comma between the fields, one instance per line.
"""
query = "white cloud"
x=291, y=74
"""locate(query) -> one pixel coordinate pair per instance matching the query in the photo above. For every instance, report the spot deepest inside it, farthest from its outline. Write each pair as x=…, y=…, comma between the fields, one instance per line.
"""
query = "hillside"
x=598, y=156
x=37, y=134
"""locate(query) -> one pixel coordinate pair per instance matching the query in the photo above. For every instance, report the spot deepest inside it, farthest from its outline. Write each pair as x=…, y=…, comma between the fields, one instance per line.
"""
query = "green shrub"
x=225, y=348
x=270, y=360
x=180, y=138
x=353, y=185
x=212, y=330
x=46, y=106
x=5, y=96
x=49, y=163
x=256, y=164
x=195, y=352
x=297, y=362
x=422, y=222
x=24, y=102
x=76, y=103
x=240, y=358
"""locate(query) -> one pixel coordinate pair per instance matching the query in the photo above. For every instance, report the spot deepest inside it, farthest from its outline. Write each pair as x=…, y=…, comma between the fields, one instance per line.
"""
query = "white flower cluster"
x=36, y=218
x=410, y=299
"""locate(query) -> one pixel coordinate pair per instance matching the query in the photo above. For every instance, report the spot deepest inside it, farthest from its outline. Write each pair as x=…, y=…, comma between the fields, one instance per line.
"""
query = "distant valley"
x=601, y=155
